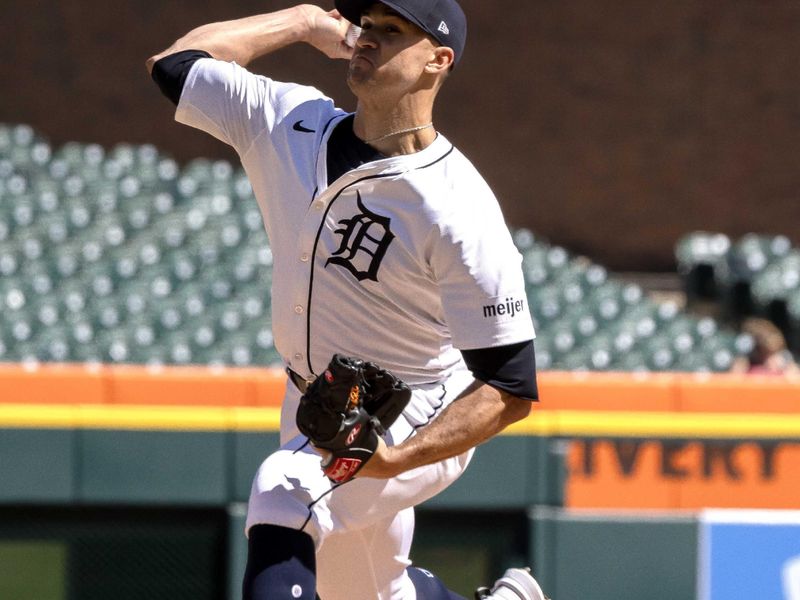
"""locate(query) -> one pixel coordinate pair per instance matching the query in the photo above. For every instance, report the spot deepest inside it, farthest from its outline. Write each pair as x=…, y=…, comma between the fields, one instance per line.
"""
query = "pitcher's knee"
x=278, y=498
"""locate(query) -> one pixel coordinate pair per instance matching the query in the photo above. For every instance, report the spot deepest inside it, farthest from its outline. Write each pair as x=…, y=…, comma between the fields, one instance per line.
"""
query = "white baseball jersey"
x=401, y=261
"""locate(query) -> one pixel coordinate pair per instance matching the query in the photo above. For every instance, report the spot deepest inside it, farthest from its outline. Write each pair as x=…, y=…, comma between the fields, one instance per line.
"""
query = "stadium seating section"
x=755, y=275
x=122, y=256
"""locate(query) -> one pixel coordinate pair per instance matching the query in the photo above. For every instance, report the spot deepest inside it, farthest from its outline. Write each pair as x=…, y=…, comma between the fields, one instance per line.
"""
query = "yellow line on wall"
x=544, y=423
x=658, y=424
x=170, y=418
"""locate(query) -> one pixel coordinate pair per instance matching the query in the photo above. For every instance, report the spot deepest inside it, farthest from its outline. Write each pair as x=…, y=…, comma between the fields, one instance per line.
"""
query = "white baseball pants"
x=362, y=529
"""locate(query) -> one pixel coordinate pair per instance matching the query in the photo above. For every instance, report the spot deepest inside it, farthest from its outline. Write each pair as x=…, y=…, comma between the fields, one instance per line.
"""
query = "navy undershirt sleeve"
x=171, y=71
x=510, y=368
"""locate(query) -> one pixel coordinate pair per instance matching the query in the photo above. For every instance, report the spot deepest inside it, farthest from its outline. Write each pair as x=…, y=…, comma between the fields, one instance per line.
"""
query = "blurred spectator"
x=770, y=355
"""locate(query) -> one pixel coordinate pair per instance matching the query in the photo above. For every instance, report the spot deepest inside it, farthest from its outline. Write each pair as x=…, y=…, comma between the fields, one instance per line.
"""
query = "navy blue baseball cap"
x=441, y=19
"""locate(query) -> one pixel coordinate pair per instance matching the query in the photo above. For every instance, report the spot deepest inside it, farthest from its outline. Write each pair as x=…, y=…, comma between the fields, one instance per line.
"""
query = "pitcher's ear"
x=442, y=60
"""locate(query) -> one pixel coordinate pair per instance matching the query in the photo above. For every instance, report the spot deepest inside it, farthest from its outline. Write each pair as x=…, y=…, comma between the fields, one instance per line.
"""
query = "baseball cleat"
x=515, y=584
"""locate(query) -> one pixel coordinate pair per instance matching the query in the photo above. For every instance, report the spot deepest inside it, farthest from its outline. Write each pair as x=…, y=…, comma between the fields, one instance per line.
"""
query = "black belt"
x=298, y=380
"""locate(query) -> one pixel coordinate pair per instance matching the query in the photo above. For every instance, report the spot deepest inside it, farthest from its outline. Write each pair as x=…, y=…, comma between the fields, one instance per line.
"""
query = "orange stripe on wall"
x=133, y=384
x=202, y=386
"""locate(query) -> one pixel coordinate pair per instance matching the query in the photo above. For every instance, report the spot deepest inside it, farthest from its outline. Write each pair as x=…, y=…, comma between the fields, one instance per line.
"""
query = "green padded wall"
x=37, y=466
x=581, y=556
x=509, y=472
x=155, y=467
x=249, y=451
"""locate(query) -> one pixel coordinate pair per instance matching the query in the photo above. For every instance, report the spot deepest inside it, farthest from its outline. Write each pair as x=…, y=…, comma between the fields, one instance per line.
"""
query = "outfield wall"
x=121, y=446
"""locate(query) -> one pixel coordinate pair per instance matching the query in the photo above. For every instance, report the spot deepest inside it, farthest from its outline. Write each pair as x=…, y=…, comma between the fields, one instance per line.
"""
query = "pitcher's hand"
x=327, y=31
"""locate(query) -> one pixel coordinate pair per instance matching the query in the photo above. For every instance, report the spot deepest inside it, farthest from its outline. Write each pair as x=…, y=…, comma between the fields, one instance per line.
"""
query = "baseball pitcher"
x=398, y=299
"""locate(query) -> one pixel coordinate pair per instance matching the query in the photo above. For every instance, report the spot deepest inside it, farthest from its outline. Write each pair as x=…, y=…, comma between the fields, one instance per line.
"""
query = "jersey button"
x=298, y=309
x=304, y=257
x=298, y=356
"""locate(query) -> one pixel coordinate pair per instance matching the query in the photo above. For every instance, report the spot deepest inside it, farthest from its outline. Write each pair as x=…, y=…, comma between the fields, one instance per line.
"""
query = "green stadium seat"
x=170, y=231
x=147, y=252
x=178, y=349
x=52, y=229
x=47, y=311
x=778, y=280
x=5, y=350
x=562, y=336
x=748, y=257
x=163, y=204
x=137, y=214
x=23, y=212
x=155, y=356
x=692, y=362
x=46, y=196
x=9, y=259
x=231, y=233
x=545, y=303
x=722, y=350
x=167, y=171
x=31, y=248
x=203, y=339
x=681, y=334
x=53, y=344
x=601, y=351
x=634, y=362
x=705, y=328
x=622, y=340
x=24, y=352
x=73, y=186
x=135, y=297
x=659, y=353
x=124, y=263
x=254, y=307
x=699, y=254
x=228, y=317
x=170, y=316
x=141, y=334
x=113, y=346
x=251, y=219
x=639, y=321
x=544, y=353
x=99, y=279
x=217, y=283
x=205, y=246
x=5, y=229
x=82, y=333
x=183, y=267
x=72, y=153
x=107, y=313
x=38, y=278
x=109, y=230
x=193, y=299
x=73, y=296
x=22, y=327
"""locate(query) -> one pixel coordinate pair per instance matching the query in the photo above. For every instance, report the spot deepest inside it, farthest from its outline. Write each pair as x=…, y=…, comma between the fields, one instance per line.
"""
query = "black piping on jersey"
x=319, y=233
x=307, y=442
x=324, y=131
x=310, y=506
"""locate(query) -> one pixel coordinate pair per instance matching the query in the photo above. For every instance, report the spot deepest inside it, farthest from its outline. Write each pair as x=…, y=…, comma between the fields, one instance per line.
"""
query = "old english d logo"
x=365, y=239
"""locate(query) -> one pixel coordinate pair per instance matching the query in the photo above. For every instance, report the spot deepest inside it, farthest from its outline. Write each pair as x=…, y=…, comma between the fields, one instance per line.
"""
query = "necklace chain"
x=401, y=131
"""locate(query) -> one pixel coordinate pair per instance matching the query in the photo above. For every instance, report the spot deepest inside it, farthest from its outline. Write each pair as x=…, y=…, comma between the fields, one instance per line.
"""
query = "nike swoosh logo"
x=299, y=127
